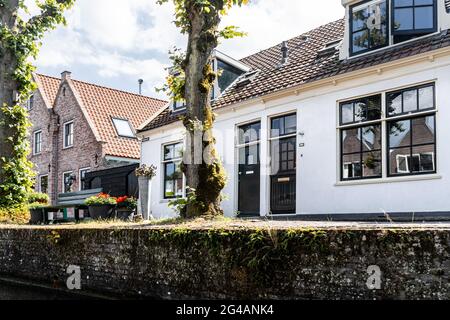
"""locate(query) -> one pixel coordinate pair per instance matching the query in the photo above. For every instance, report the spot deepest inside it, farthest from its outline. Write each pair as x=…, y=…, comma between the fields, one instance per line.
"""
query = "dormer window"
x=412, y=18
x=369, y=26
x=228, y=76
x=376, y=24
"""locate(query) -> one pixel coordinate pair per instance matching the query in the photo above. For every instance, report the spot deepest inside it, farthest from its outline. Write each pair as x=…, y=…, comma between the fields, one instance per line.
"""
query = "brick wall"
x=40, y=117
x=171, y=264
x=85, y=146
x=51, y=122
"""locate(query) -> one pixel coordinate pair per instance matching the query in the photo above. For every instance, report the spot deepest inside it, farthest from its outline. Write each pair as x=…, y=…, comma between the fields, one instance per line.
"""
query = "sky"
x=116, y=42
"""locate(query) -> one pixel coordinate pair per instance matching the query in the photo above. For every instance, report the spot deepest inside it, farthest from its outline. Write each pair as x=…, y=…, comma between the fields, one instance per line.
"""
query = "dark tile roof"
x=307, y=63
x=447, y=5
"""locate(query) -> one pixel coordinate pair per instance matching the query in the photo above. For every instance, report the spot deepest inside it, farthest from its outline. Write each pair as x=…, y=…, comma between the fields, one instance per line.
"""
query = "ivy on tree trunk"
x=19, y=41
x=191, y=80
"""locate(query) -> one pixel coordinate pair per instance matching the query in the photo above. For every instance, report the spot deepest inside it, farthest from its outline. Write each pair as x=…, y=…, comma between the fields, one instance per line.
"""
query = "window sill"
x=389, y=180
x=69, y=147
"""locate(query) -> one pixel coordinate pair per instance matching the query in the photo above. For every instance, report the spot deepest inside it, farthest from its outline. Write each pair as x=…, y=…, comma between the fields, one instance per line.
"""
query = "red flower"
x=122, y=199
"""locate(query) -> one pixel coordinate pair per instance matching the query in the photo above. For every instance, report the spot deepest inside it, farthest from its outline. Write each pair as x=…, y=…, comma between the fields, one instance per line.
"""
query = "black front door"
x=249, y=170
x=283, y=154
x=249, y=180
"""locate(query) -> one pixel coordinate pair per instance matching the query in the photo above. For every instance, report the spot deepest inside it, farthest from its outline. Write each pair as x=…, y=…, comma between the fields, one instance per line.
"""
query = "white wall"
x=318, y=186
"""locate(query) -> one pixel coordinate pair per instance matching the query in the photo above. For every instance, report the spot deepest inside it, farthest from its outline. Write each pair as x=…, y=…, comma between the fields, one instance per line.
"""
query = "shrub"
x=36, y=197
x=19, y=215
x=101, y=199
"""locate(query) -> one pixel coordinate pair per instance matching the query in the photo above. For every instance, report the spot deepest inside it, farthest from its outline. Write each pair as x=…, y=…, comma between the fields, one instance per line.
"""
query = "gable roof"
x=308, y=62
x=101, y=104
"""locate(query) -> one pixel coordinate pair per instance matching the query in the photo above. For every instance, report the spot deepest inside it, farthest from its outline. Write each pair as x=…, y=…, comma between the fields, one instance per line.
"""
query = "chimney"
x=140, y=81
x=66, y=75
x=285, y=52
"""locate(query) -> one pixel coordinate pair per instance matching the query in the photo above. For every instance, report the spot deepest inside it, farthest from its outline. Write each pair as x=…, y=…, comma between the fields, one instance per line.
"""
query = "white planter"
x=145, y=192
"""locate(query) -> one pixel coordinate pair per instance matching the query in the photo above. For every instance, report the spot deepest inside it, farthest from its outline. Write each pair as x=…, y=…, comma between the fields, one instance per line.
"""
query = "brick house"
x=80, y=127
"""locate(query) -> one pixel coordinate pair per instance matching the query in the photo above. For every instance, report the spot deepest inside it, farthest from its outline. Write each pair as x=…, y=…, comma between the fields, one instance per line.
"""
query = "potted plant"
x=101, y=206
x=37, y=202
x=126, y=207
x=145, y=174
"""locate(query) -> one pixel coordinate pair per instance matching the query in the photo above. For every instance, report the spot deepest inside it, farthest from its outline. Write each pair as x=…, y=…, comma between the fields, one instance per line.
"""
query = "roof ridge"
x=104, y=87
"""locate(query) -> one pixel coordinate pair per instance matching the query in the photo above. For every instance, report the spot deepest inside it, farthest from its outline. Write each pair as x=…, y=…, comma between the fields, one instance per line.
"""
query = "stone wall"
x=181, y=263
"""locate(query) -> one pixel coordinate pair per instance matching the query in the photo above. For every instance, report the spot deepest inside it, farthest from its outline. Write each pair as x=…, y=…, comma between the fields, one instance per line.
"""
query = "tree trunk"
x=8, y=86
x=203, y=170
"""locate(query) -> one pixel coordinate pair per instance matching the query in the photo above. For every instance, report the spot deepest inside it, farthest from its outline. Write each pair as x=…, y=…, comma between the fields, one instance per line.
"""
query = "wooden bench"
x=71, y=200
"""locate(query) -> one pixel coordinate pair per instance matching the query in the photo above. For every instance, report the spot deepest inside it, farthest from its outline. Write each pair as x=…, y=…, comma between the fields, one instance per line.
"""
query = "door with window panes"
x=283, y=150
x=249, y=169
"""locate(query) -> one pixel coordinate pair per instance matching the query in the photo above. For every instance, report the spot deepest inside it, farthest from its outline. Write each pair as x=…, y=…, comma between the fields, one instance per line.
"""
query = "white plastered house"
x=351, y=118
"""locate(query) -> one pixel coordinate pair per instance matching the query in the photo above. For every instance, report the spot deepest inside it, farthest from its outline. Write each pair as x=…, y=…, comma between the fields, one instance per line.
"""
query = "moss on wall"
x=235, y=263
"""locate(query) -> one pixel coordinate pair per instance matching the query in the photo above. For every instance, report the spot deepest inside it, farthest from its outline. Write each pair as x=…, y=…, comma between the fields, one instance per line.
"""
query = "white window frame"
x=66, y=146
x=35, y=144
x=63, y=182
x=40, y=182
x=87, y=169
x=133, y=132
x=163, y=178
x=30, y=103
x=384, y=147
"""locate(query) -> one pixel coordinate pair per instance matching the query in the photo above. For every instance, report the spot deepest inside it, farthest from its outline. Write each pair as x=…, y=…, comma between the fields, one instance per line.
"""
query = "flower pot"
x=37, y=216
x=101, y=212
x=124, y=214
x=145, y=190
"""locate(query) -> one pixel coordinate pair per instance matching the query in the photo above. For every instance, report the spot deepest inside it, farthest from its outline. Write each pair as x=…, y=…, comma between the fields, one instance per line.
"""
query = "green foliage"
x=19, y=42
x=36, y=197
x=101, y=200
x=17, y=169
x=18, y=215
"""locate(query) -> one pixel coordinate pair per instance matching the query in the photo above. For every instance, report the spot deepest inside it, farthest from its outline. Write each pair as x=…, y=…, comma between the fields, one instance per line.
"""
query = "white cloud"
x=117, y=39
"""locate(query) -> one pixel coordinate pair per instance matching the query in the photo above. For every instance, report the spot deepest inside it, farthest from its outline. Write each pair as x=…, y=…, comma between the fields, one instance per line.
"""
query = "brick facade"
x=59, y=101
x=55, y=159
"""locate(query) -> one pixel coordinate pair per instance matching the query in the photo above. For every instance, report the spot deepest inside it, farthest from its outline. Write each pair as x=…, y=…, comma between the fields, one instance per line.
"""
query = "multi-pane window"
x=283, y=135
x=37, y=142
x=30, y=103
x=361, y=142
x=68, y=134
x=412, y=141
x=369, y=26
x=68, y=181
x=412, y=18
x=409, y=128
x=378, y=23
x=173, y=176
x=43, y=184
x=83, y=172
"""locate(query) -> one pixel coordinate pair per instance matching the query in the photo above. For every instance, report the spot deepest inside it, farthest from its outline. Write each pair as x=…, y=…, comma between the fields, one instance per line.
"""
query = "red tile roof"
x=102, y=104
x=307, y=63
